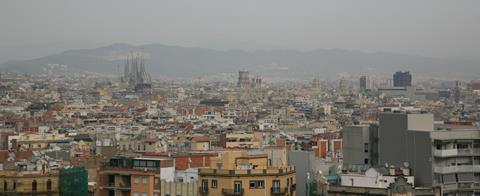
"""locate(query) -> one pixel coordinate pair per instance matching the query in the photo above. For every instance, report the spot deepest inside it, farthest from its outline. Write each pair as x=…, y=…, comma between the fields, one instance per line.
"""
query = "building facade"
x=29, y=183
x=440, y=156
x=131, y=176
x=402, y=79
x=360, y=146
x=236, y=173
x=365, y=83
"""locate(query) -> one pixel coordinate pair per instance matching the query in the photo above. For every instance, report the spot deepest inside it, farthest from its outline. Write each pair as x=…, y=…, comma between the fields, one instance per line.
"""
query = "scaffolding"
x=74, y=181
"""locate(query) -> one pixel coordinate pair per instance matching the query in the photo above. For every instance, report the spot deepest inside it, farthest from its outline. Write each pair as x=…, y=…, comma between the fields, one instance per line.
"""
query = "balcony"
x=450, y=187
x=445, y=153
x=203, y=191
x=277, y=191
x=124, y=187
x=461, y=186
x=457, y=152
x=457, y=169
x=469, y=152
x=476, y=185
x=232, y=192
x=14, y=192
x=270, y=171
x=118, y=186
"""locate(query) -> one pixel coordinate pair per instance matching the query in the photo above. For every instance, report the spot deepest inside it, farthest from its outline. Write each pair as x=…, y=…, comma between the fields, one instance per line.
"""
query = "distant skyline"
x=433, y=28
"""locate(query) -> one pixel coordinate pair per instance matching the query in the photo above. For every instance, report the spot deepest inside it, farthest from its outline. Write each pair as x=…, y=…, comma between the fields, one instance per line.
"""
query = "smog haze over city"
x=239, y=98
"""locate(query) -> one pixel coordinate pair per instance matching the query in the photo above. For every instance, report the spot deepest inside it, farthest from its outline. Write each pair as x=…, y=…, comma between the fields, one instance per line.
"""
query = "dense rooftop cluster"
x=238, y=138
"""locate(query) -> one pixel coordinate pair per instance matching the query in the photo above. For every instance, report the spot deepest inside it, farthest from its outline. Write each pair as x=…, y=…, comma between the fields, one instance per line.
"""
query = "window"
x=14, y=185
x=34, y=185
x=205, y=186
x=151, y=164
x=135, y=194
x=139, y=163
x=144, y=194
x=365, y=161
x=257, y=184
x=214, y=183
x=276, y=186
x=136, y=180
x=49, y=185
x=365, y=147
x=276, y=183
x=462, y=145
x=261, y=184
x=237, y=187
x=5, y=185
x=144, y=180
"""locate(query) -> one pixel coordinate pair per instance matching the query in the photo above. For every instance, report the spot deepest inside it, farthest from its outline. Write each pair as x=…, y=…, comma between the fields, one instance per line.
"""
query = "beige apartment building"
x=236, y=173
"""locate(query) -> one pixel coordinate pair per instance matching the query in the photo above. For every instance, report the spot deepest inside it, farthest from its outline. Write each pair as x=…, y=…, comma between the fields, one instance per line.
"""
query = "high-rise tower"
x=243, y=79
x=402, y=79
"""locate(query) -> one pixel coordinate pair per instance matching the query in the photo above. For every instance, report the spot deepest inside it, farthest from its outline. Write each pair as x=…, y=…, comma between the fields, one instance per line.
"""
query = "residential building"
x=133, y=176
x=360, y=145
x=237, y=173
x=29, y=183
x=446, y=157
x=240, y=139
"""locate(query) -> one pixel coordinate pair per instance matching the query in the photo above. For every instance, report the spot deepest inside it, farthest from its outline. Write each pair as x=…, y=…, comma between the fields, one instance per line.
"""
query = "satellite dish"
x=405, y=164
x=386, y=165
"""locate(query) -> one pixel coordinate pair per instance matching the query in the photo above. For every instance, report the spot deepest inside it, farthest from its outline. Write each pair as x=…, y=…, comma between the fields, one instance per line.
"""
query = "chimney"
x=392, y=170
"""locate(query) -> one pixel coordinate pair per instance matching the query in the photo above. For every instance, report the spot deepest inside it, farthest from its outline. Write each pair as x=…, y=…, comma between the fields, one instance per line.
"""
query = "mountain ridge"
x=167, y=60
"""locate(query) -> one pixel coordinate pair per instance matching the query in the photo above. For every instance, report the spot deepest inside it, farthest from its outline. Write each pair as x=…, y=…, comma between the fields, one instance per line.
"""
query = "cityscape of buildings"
x=132, y=135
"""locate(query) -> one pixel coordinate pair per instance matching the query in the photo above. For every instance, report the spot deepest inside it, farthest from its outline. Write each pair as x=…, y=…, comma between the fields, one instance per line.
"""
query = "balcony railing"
x=248, y=172
x=461, y=186
x=120, y=186
x=448, y=187
x=476, y=185
x=232, y=192
x=277, y=191
x=457, y=169
x=14, y=192
x=445, y=152
x=203, y=190
x=457, y=152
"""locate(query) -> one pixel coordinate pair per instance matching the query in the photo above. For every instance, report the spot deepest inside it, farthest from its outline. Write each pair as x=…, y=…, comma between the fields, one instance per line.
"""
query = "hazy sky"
x=438, y=28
